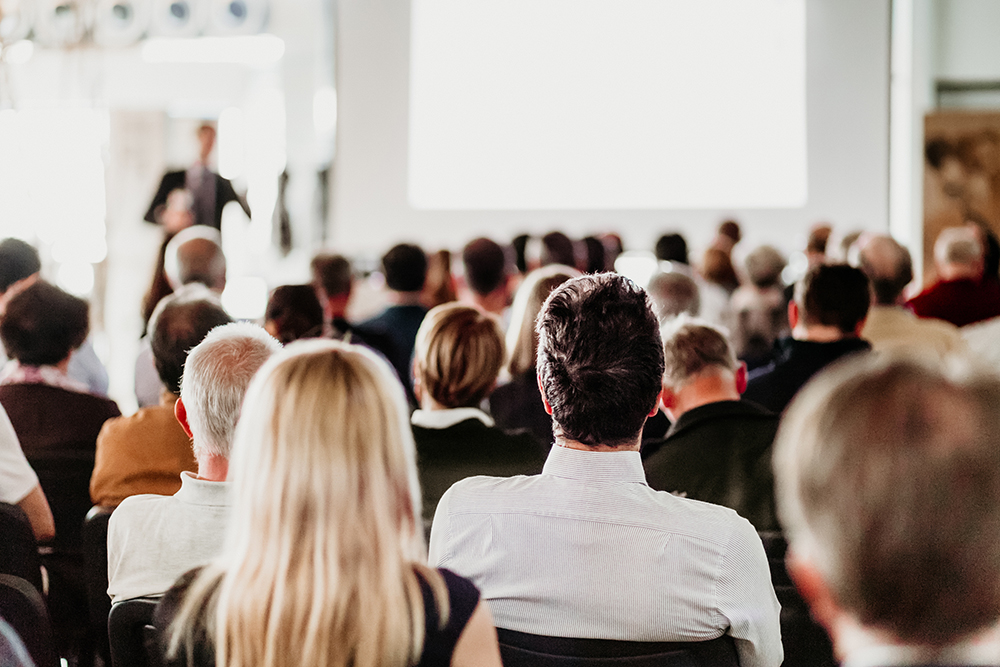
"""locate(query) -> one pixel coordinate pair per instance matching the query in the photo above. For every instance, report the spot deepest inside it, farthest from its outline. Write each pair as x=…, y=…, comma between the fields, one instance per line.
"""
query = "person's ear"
x=418, y=389
x=180, y=412
x=545, y=401
x=860, y=326
x=793, y=314
x=667, y=398
x=741, y=378
x=656, y=405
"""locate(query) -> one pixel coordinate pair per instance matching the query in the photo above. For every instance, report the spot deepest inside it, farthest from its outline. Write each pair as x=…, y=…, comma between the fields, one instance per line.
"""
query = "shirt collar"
x=447, y=418
x=980, y=649
x=624, y=466
x=202, y=491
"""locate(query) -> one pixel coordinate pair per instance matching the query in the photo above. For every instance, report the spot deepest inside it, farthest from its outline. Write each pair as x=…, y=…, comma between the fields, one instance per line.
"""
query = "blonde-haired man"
x=152, y=539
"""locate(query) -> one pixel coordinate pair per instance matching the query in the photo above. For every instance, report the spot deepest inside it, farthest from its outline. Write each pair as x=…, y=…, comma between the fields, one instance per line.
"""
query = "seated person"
x=719, y=447
x=19, y=483
x=56, y=419
x=457, y=357
x=323, y=562
x=293, y=312
x=154, y=539
x=587, y=549
x=146, y=452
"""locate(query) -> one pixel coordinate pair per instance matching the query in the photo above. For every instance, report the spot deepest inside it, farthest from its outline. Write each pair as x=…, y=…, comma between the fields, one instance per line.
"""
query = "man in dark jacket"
x=827, y=314
x=719, y=447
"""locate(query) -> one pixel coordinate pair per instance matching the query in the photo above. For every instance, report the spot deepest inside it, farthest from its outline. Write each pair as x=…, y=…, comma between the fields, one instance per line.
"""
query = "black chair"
x=521, y=649
x=21, y=605
x=130, y=628
x=18, y=549
x=95, y=569
x=805, y=642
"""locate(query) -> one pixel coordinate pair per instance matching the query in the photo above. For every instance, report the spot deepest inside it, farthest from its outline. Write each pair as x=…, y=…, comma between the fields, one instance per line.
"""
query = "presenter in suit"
x=209, y=191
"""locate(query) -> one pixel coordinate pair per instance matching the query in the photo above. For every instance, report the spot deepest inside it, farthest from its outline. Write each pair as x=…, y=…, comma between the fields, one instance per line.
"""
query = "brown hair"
x=458, y=355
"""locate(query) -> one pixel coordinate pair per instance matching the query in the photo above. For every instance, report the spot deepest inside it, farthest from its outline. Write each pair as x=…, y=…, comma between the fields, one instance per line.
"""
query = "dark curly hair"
x=43, y=325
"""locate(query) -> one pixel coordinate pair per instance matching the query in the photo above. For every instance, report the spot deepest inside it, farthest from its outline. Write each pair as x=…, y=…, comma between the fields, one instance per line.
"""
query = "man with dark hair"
x=486, y=275
x=587, y=549
x=672, y=248
x=719, y=448
x=18, y=261
x=405, y=269
x=147, y=451
x=826, y=316
x=888, y=485
x=333, y=280
x=890, y=325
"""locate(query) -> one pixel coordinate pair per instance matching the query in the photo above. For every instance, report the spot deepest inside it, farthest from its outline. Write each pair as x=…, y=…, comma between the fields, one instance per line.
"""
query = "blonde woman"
x=518, y=404
x=322, y=564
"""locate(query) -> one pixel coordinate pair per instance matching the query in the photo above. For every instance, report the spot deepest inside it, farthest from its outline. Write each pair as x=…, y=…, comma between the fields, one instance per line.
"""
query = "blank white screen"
x=607, y=104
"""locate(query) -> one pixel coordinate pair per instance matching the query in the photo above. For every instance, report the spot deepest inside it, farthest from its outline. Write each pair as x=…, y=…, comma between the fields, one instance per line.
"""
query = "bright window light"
x=245, y=298
x=232, y=143
x=238, y=50
x=637, y=266
x=19, y=53
x=325, y=110
x=76, y=277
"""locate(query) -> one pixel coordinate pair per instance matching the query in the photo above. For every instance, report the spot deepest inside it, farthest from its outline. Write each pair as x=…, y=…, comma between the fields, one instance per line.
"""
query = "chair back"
x=130, y=629
x=21, y=605
x=95, y=571
x=521, y=649
x=65, y=479
x=18, y=549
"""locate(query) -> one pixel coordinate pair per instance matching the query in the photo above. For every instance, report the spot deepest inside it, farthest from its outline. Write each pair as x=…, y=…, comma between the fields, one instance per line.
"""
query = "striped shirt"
x=587, y=549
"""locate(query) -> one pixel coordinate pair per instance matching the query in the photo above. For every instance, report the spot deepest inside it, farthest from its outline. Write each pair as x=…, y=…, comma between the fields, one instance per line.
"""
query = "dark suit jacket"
x=796, y=361
x=719, y=453
x=393, y=332
x=176, y=180
x=470, y=447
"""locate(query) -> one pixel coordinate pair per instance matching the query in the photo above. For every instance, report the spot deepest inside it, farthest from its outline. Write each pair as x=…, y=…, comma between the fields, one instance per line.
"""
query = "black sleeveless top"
x=439, y=643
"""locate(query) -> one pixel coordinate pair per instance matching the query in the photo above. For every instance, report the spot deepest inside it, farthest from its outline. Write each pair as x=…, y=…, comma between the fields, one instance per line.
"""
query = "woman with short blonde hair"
x=322, y=564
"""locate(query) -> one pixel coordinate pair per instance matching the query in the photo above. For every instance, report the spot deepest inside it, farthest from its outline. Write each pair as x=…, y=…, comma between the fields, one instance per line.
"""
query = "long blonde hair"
x=522, y=341
x=320, y=561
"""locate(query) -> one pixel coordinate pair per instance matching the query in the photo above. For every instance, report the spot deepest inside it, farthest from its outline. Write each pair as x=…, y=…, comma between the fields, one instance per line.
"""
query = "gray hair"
x=958, y=245
x=195, y=255
x=672, y=293
x=764, y=265
x=888, y=482
x=691, y=347
x=216, y=376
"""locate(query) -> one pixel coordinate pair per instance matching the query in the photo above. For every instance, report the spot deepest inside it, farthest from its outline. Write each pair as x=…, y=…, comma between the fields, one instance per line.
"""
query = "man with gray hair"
x=672, y=293
x=960, y=296
x=888, y=485
x=719, y=447
x=890, y=326
x=152, y=540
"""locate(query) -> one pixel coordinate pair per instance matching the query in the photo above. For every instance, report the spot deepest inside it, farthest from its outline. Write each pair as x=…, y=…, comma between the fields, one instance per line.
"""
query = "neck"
x=573, y=444
x=404, y=298
x=819, y=333
x=63, y=365
x=212, y=468
x=495, y=302
x=702, y=391
x=950, y=272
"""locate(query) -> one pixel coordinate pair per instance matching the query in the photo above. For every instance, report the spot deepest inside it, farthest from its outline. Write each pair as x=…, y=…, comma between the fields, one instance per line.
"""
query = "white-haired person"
x=153, y=539
x=323, y=563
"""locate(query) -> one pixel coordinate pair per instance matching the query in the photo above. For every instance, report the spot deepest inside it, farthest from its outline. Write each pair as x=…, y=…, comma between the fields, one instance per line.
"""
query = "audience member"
x=153, y=539
x=826, y=316
x=293, y=312
x=486, y=275
x=457, y=357
x=333, y=280
x=960, y=295
x=764, y=266
x=703, y=570
x=727, y=236
x=194, y=255
x=672, y=293
x=19, y=267
x=596, y=257
x=890, y=326
x=819, y=238
x=672, y=248
x=19, y=483
x=888, y=484
x=717, y=269
x=518, y=404
x=146, y=452
x=405, y=268
x=719, y=447
x=439, y=287
x=760, y=313
x=323, y=560
x=557, y=248
x=159, y=286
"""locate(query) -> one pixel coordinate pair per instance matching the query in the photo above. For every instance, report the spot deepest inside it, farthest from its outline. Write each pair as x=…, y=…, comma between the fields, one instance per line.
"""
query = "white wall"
x=967, y=44
x=847, y=119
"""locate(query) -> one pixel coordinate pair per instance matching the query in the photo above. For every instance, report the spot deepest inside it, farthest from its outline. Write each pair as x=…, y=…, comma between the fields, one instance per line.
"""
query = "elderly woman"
x=457, y=357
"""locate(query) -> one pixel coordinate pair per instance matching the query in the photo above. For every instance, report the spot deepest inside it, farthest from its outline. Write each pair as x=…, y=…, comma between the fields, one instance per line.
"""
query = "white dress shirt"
x=587, y=549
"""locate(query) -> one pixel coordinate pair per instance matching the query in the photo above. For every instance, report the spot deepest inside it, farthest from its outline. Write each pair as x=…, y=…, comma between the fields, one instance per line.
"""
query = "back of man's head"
x=672, y=248
x=195, y=255
x=672, y=293
x=216, y=376
x=332, y=273
x=557, y=248
x=18, y=260
x=888, y=266
x=959, y=247
x=692, y=348
x=180, y=321
x=485, y=265
x=764, y=266
x=405, y=268
x=600, y=359
x=888, y=486
x=833, y=295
